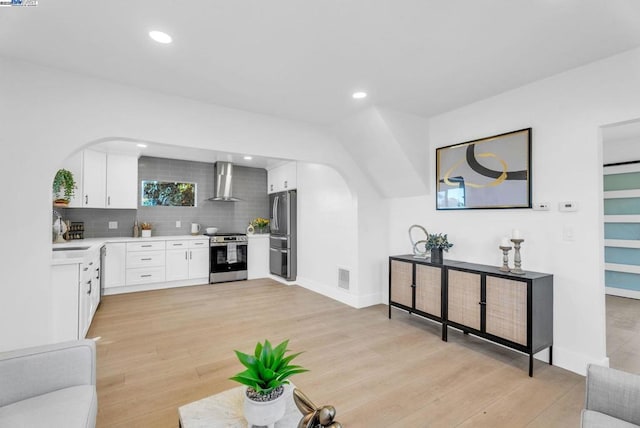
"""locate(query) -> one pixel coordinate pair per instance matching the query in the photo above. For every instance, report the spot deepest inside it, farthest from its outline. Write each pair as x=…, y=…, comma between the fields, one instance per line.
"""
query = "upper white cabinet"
x=122, y=181
x=282, y=178
x=104, y=180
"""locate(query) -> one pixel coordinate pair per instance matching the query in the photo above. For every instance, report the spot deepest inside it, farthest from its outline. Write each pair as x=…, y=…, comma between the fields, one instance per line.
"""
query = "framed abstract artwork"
x=492, y=172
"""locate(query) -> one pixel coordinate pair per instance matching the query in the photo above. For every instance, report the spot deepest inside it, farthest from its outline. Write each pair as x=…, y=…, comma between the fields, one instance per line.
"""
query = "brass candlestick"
x=505, y=258
x=517, y=261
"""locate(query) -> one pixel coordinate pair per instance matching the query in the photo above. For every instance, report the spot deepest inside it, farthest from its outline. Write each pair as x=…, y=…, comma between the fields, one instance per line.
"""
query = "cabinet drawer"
x=145, y=246
x=138, y=259
x=145, y=275
x=173, y=245
x=199, y=244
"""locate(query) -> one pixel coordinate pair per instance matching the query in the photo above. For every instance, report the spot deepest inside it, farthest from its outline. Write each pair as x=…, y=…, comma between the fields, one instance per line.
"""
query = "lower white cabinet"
x=114, y=269
x=187, y=260
x=258, y=257
x=75, y=297
x=145, y=262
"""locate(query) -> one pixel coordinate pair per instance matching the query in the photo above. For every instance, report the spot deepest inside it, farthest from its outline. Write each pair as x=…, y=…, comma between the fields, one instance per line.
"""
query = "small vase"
x=146, y=233
x=264, y=413
x=436, y=255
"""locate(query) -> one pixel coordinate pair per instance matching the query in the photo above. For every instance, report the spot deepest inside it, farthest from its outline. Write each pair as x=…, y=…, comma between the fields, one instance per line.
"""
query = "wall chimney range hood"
x=223, y=182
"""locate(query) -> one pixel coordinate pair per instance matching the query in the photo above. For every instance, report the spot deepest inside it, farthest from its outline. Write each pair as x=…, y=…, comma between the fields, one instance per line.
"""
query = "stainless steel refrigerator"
x=283, y=241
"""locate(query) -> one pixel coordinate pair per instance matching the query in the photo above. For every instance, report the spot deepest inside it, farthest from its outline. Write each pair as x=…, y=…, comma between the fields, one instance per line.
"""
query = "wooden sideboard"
x=513, y=310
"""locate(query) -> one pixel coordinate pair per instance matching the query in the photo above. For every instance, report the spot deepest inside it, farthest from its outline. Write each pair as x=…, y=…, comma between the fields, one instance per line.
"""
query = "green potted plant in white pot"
x=437, y=243
x=266, y=374
x=64, y=187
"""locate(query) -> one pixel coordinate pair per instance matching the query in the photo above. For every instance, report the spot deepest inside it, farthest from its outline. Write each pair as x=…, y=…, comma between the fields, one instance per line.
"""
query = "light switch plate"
x=541, y=206
x=178, y=223
x=113, y=225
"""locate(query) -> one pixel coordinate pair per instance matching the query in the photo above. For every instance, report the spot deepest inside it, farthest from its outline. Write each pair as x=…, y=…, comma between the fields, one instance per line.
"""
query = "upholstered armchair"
x=49, y=386
x=612, y=399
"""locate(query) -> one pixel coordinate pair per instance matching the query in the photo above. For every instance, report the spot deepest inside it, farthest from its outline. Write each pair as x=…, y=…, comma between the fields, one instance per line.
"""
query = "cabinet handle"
x=89, y=292
x=146, y=259
x=146, y=246
x=85, y=269
x=413, y=286
x=198, y=243
x=177, y=245
x=190, y=255
x=285, y=184
x=86, y=199
x=185, y=255
x=482, y=303
x=145, y=276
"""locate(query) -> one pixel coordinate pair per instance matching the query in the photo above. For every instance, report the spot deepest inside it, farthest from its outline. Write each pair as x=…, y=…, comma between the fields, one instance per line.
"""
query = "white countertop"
x=94, y=244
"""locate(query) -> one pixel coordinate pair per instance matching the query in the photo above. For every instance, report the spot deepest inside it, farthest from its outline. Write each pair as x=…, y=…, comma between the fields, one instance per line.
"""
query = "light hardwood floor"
x=162, y=349
x=623, y=333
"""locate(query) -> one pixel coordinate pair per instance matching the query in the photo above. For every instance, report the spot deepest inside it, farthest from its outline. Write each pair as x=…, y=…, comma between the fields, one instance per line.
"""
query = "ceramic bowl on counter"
x=211, y=230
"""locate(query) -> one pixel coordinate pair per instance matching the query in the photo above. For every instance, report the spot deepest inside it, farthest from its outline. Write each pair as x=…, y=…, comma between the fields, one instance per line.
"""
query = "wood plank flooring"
x=162, y=349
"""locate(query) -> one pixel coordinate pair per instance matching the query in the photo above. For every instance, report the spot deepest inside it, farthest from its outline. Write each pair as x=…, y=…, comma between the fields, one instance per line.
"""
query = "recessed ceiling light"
x=248, y=158
x=141, y=145
x=359, y=95
x=160, y=37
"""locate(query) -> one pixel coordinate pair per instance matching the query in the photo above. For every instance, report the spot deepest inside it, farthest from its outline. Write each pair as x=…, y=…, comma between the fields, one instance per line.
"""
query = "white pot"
x=146, y=233
x=264, y=413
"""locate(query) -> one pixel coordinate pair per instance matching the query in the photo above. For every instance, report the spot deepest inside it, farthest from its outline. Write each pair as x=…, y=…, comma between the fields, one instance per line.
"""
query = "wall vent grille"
x=343, y=278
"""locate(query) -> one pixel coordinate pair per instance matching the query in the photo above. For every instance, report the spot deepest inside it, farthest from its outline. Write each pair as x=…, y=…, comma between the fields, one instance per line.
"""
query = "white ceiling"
x=302, y=59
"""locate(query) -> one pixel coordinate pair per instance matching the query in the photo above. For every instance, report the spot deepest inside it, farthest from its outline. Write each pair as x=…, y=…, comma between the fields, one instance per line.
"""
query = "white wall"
x=327, y=209
x=48, y=114
x=565, y=112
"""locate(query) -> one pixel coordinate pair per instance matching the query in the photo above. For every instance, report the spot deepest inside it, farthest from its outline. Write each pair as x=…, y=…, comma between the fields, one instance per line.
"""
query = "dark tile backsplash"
x=249, y=185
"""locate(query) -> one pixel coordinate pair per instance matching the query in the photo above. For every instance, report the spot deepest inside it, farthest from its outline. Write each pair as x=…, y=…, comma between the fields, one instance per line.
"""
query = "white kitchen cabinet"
x=282, y=178
x=114, y=269
x=258, y=256
x=145, y=262
x=65, y=283
x=122, y=181
x=94, y=179
x=104, y=180
x=187, y=259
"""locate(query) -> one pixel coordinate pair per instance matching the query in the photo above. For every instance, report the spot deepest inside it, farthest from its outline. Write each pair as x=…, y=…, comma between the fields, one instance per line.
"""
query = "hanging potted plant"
x=267, y=371
x=437, y=242
x=64, y=186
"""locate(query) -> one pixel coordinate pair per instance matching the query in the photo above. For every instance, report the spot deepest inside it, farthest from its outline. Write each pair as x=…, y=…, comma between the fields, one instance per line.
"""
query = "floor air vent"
x=343, y=278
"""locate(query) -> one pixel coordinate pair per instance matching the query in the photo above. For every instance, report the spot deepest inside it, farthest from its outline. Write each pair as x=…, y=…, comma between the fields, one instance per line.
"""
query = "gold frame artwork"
x=489, y=173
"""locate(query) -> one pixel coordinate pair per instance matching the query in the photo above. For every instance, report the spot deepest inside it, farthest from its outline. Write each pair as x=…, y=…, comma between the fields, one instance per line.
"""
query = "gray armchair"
x=612, y=399
x=49, y=386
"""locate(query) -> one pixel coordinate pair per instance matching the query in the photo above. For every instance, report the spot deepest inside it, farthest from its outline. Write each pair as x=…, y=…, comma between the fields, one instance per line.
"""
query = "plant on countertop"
x=267, y=370
x=438, y=241
x=146, y=226
x=63, y=183
x=260, y=223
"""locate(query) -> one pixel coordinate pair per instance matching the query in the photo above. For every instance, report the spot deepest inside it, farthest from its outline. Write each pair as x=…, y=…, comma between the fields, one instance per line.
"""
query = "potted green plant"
x=437, y=243
x=267, y=371
x=64, y=187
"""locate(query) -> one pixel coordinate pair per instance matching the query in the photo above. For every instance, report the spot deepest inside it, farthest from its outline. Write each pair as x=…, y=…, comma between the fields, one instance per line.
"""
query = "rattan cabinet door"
x=506, y=309
x=429, y=289
x=463, y=299
x=401, y=283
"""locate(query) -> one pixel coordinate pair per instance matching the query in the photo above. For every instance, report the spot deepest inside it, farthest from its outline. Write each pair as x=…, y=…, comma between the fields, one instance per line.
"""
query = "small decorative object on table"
x=419, y=253
x=517, y=240
x=505, y=246
x=146, y=229
x=250, y=229
x=266, y=374
x=313, y=416
x=260, y=225
x=438, y=242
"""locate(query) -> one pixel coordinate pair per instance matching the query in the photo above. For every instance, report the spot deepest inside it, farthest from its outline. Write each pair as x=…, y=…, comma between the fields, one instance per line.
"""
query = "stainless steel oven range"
x=228, y=257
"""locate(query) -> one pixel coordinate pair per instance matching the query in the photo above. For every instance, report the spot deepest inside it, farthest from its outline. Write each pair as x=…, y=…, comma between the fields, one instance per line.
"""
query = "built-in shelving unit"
x=622, y=229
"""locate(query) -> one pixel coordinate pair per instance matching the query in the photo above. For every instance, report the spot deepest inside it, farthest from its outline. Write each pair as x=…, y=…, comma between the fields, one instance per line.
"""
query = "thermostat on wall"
x=568, y=206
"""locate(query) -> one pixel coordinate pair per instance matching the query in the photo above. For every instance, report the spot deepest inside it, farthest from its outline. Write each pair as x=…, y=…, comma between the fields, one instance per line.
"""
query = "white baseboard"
x=575, y=362
x=621, y=292
x=339, y=294
x=155, y=286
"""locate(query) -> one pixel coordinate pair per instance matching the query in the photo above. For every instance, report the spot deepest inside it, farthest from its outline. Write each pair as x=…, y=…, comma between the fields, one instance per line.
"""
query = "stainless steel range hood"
x=223, y=182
